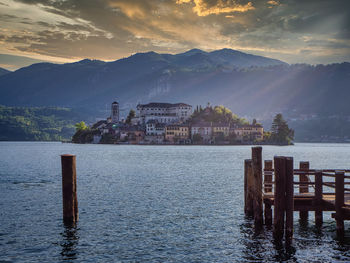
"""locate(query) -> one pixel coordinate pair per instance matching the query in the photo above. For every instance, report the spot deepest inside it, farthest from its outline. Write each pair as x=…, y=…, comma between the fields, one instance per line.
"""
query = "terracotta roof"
x=250, y=126
x=177, y=125
x=163, y=105
x=131, y=128
x=97, y=124
x=152, y=121
x=202, y=124
x=221, y=125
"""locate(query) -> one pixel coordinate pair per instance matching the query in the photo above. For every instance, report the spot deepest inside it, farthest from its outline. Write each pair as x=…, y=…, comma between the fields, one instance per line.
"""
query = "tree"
x=81, y=126
x=280, y=132
x=84, y=136
x=131, y=115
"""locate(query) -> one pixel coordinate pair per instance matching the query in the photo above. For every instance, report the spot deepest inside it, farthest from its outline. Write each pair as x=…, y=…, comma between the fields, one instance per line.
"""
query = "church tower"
x=115, y=112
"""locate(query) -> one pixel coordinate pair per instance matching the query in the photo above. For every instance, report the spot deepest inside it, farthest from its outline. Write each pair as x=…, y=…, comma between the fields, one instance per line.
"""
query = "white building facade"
x=154, y=132
x=204, y=129
x=163, y=112
x=153, y=128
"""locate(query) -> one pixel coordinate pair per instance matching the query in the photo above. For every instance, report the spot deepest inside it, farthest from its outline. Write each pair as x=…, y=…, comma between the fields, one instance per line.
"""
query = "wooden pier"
x=286, y=189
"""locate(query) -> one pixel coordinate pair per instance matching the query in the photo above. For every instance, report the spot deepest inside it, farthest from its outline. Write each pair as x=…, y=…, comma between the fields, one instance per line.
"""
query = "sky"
x=295, y=31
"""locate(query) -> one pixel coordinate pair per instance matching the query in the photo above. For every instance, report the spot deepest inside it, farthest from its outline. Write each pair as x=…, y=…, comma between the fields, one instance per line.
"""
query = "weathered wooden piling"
x=279, y=197
x=268, y=189
x=248, y=188
x=268, y=176
x=69, y=189
x=289, y=180
x=318, y=198
x=257, y=184
x=304, y=188
x=339, y=201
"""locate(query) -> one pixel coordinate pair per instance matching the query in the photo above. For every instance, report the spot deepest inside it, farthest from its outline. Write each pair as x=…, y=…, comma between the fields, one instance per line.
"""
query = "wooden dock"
x=286, y=189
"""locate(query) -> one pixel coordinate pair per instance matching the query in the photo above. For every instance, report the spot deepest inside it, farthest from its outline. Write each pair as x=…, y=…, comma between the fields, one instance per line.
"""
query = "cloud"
x=110, y=29
x=205, y=8
x=272, y=2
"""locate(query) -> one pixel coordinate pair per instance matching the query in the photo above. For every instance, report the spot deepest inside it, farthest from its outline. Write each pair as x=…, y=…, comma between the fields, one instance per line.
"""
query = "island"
x=177, y=124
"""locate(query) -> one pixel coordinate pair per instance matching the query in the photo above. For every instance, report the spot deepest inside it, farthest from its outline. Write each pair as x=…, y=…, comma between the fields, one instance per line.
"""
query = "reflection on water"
x=70, y=239
x=259, y=245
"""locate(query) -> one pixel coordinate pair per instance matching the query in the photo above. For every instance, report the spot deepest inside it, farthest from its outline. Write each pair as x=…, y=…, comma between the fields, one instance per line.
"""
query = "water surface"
x=150, y=204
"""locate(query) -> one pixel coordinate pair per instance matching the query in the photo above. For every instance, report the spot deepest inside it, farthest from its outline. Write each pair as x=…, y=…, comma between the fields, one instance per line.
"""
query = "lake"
x=151, y=204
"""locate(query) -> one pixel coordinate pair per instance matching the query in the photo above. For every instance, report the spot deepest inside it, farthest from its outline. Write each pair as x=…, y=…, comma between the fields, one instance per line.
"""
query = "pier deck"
x=305, y=201
x=286, y=189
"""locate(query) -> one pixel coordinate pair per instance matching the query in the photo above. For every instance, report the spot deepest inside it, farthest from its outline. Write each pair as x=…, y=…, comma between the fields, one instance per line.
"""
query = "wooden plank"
x=248, y=188
x=268, y=176
x=339, y=201
x=258, y=194
x=289, y=200
x=318, y=198
x=279, y=197
x=304, y=188
x=268, y=188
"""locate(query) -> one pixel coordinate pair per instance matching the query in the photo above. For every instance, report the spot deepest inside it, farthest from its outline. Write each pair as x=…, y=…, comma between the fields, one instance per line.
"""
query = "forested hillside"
x=37, y=124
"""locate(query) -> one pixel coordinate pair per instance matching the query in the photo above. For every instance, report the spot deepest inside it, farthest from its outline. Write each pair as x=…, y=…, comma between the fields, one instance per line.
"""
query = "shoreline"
x=303, y=142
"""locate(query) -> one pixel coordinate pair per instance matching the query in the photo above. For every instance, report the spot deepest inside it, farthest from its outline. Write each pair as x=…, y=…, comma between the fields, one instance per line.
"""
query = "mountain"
x=4, y=71
x=250, y=85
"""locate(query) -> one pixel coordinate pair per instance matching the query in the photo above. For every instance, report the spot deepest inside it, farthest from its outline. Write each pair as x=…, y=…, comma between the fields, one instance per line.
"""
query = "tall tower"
x=115, y=112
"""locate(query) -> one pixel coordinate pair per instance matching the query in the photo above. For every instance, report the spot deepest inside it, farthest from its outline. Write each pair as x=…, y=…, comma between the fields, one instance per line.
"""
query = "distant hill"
x=37, y=124
x=4, y=71
x=248, y=84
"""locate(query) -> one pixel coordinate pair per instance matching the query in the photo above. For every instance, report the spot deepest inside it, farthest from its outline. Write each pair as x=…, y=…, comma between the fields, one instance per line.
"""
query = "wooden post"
x=318, y=198
x=289, y=199
x=268, y=176
x=268, y=189
x=279, y=197
x=304, y=188
x=248, y=188
x=258, y=193
x=69, y=189
x=339, y=201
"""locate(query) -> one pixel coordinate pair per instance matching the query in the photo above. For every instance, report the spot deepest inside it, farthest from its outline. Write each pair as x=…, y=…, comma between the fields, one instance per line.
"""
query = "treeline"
x=322, y=129
x=216, y=114
x=37, y=123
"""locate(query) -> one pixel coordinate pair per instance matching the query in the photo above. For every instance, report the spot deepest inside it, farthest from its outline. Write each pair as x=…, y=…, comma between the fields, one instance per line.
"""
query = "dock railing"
x=288, y=189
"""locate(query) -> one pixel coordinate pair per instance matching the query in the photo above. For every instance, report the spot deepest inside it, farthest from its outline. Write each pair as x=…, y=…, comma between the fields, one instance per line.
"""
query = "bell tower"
x=115, y=111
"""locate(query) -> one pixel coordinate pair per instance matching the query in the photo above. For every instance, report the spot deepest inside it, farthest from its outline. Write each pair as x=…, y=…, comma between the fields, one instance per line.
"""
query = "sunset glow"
x=65, y=31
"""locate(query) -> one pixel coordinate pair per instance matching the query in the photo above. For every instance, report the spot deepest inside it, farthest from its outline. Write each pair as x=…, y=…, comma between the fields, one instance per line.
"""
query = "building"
x=221, y=129
x=204, y=129
x=115, y=112
x=131, y=134
x=254, y=132
x=163, y=112
x=177, y=133
x=99, y=125
x=153, y=128
x=154, y=132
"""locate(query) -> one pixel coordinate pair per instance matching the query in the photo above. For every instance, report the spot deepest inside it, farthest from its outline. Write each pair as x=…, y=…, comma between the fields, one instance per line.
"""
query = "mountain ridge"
x=4, y=71
x=248, y=84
